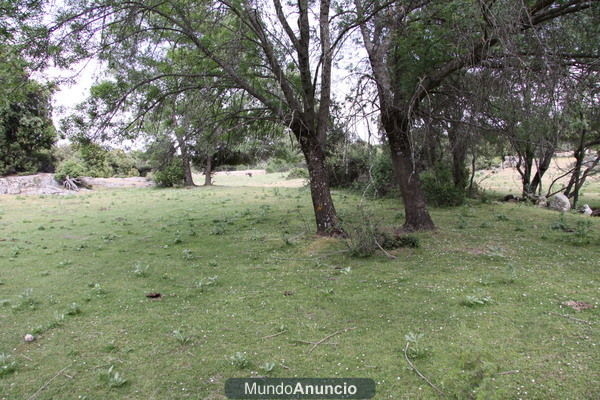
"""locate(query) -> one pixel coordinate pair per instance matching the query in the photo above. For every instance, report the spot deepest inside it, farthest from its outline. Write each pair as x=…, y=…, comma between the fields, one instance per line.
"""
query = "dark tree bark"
x=542, y=167
x=326, y=217
x=186, y=161
x=579, y=175
x=458, y=147
x=415, y=208
x=208, y=170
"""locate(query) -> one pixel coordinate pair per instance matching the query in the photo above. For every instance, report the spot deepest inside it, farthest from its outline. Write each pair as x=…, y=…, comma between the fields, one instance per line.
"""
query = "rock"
x=586, y=210
x=542, y=202
x=559, y=202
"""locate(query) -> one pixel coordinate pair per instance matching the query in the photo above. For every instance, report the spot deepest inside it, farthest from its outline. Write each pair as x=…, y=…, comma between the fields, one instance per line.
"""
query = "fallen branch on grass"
x=388, y=255
x=329, y=337
x=275, y=334
x=419, y=372
x=572, y=318
x=306, y=342
x=45, y=385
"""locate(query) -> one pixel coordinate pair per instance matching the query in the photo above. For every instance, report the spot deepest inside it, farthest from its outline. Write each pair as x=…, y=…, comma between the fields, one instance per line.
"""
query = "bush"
x=382, y=174
x=279, y=165
x=297, y=173
x=170, y=175
x=439, y=188
x=346, y=167
x=70, y=168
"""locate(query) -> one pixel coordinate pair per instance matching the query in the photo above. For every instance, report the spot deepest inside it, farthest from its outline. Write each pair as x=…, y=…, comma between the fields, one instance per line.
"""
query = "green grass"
x=234, y=265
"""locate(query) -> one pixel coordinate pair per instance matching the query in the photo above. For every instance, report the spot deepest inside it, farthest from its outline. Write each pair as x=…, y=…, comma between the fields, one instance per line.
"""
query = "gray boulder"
x=586, y=210
x=559, y=202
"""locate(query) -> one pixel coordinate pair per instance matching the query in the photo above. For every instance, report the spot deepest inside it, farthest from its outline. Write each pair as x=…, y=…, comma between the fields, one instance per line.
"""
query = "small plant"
x=113, y=378
x=560, y=224
x=207, y=282
x=415, y=349
x=181, y=338
x=7, y=364
x=268, y=367
x=511, y=275
x=97, y=289
x=74, y=309
x=141, y=271
x=26, y=300
x=239, y=360
x=187, y=254
x=473, y=301
x=501, y=217
x=582, y=233
x=218, y=230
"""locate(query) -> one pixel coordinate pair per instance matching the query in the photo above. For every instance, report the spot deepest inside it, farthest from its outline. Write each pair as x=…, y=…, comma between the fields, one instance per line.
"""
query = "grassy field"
x=244, y=284
x=508, y=180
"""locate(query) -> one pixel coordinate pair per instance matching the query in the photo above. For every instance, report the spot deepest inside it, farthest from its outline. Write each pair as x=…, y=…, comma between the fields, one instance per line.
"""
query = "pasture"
x=246, y=289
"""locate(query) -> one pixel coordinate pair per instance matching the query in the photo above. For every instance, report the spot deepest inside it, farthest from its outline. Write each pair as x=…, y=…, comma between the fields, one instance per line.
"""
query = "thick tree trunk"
x=326, y=218
x=524, y=167
x=208, y=171
x=417, y=217
x=544, y=164
x=188, y=180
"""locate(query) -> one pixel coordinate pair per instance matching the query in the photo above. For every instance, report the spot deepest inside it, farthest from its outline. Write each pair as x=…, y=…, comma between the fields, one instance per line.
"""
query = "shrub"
x=382, y=174
x=279, y=165
x=170, y=175
x=71, y=168
x=347, y=166
x=297, y=173
x=439, y=188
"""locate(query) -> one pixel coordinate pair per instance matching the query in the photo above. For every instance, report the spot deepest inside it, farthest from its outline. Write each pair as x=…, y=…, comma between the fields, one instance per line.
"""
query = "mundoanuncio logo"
x=299, y=388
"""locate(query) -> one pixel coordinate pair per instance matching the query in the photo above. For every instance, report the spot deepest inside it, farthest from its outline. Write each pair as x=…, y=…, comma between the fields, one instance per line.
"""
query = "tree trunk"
x=326, y=218
x=542, y=167
x=188, y=180
x=524, y=167
x=459, y=155
x=208, y=171
x=417, y=217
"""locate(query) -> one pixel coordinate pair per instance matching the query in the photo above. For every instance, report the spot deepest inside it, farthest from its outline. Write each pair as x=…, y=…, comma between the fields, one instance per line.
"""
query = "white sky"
x=83, y=75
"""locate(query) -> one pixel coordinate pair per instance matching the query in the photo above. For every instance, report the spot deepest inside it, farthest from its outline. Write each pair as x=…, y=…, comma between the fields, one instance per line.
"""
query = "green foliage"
x=297, y=173
x=416, y=349
x=181, y=337
x=268, y=367
x=346, y=164
x=170, y=175
x=7, y=364
x=583, y=230
x=382, y=174
x=239, y=360
x=473, y=301
x=439, y=188
x=113, y=378
x=368, y=236
x=279, y=165
x=70, y=168
x=26, y=129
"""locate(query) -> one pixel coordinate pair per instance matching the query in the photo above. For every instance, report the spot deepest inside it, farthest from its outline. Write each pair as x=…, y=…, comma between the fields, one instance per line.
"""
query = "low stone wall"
x=31, y=184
